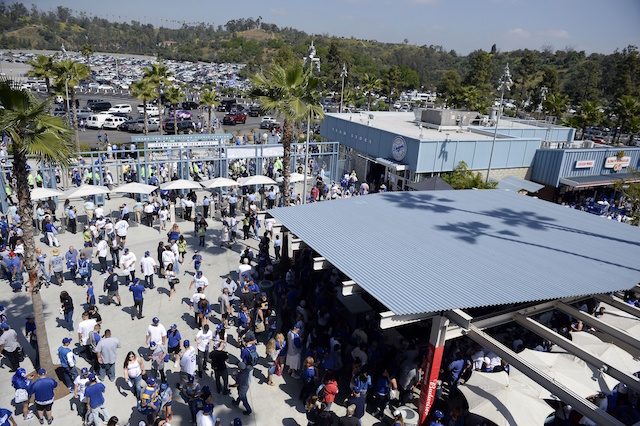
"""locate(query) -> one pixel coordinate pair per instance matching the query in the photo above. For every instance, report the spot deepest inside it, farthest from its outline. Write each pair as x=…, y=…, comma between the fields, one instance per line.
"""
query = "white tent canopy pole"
x=583, y=406
x=576, y=350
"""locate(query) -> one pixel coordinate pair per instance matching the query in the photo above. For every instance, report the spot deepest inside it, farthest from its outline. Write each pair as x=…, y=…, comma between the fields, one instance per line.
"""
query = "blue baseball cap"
x=91, y=377
x=66, y=340
x=186, y=343
x=151, y=381
x=84, y=371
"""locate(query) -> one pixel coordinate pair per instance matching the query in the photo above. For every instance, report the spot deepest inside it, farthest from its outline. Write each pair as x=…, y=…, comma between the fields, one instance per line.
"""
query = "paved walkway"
x=272, y=405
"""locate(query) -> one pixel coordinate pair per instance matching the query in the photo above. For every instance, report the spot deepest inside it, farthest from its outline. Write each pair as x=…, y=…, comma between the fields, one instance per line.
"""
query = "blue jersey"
x=5, y=415
x=96, y=394
x=137, y=291
x=42, y=390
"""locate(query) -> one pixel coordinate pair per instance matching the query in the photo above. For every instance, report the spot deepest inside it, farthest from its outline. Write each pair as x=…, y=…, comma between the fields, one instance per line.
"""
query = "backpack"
x=253, y=360
x=321, y=392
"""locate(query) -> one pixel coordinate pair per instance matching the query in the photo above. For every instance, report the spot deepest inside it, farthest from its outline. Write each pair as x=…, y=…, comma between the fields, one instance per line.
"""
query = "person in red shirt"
x=330, y=390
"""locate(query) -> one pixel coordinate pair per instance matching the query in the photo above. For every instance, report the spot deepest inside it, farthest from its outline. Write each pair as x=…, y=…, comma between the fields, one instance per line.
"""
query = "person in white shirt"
x=176, y=256
x=128, y=264
x=268, y=226
x=244, y=269
x=197, y=296
x=232, y=287
x=121, y=227
x=188, y=362
x=99, y=211
x=203, y=338
x=102, y=249
x=80, y=384
x=85, y=328
x=148, y=214
x=163, y=215
x=168, y=258
x=148, y=269
x=200, y=281
x=156, y=332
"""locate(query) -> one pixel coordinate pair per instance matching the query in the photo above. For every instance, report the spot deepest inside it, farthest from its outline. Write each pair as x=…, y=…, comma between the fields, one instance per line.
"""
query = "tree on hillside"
x=68, y=75
x=556, y=104
x=144, y=90
x=42, y=67
x=87, y=51
x=481, y=71
x=174, y=95
x=450, y=86
x=393, y=81
x=289, y=92
x=33, y=132
x=526, y=68
x=369, y=84
x=208, y=98
x=627, y=109
x=157, y=75
x=588, y=115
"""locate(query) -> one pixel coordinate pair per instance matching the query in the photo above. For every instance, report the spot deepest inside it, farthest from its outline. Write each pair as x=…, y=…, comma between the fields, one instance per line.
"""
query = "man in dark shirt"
x=138, y=291
x=111, y=286
x=219, y=359
x=349, y=419
x=358, y=400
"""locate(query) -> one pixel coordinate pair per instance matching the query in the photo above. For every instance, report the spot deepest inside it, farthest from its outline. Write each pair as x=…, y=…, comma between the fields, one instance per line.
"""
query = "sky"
x=462, y=25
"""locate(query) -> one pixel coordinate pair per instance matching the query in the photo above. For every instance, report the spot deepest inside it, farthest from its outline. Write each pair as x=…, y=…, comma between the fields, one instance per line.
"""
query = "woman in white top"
x=172, y=279
x=133, y=371
x=163, y=216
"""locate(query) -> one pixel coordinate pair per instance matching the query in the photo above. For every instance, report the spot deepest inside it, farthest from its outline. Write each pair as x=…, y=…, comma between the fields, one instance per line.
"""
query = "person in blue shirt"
x=6, y=418
x=71, y=257
x=72, y=219
x=197, y=260
x=21, y=381
x=94, y=394
x=68, y=362
x=308, y=379
x=138, y=291
x=173, y=342
x=42, y=390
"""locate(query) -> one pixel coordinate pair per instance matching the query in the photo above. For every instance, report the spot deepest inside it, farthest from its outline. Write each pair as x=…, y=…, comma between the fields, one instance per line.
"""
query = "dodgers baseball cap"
x=91, y=377
x=126, y=249
x=173, y=326
x=84, y=371
x=66, y=340
x=186, y=343
x=152, y=344
x=156, y=320
x=151, y=381
x=207, y=408
x=42, y=371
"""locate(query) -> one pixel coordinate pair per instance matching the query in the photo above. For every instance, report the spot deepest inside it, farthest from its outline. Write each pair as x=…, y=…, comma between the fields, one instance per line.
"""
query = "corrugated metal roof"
x=516, y=184
x=598, y=180
x=432, y=251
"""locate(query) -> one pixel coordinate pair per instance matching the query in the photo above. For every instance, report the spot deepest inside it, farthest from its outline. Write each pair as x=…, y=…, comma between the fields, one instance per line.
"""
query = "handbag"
x=259, y=326
x=174, y=280
x=21, y=396
x=278, y=371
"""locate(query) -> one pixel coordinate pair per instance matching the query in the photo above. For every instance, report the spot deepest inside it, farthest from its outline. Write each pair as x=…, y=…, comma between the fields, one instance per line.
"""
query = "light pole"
x=504, y=83
x=310, y=60
x=343, y=74
x=543, y=97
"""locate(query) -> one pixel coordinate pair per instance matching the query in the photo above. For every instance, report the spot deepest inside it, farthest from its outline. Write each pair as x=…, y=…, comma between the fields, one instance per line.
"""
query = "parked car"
x=126, y=108
x=234, y=117
x=152, y=111
x=254, y=111
x=185, y=126
x=181, y=114
x=266, y=122
x=96, y=121
x=138, y=126
x=124, y=127
x=99, y=106
x=113, y=122
x=190, y=105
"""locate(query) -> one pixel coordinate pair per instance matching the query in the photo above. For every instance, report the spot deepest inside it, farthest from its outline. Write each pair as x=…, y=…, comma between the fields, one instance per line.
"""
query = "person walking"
x=148, y=268
x=111, y=284
x=102, y=249
x=56, y=266
x=42, y=390
x=138, y=291
x=242, y=378
x=20, y=383
x=188, y=363
x=203, y=339
x=128, y=263
x=107, y=353
x=9, y=346
x=173, y=344
x=94, y=394
x=133, y=371
x=66, y=308
x=150, y=400
x=158, y=354
x=80, y=384
x=68, y=363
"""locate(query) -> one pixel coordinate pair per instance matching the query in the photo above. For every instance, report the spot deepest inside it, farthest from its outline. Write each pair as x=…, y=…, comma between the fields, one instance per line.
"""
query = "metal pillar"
x=431, y=368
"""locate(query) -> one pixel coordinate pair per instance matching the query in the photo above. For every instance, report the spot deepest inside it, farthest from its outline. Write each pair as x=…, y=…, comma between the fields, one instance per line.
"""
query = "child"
x=197, y=259
x=166, y=397
x=91, y=298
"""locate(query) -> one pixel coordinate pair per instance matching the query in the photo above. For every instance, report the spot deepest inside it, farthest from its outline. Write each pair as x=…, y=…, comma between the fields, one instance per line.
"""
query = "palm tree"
x=42, y=67
x=173, y=95
x=87, y=51
x=68, y=75
x=157, y=75
x=589, y=115
x=33, y=132
x=369, y=84
x=145, y=91
x=626, y=110
x=289, y=92
x=470, y=95
x=557, y=104
x=208, y=98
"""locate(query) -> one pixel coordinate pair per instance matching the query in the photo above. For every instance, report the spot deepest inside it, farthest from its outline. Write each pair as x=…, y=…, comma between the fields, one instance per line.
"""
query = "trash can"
x=409, y=416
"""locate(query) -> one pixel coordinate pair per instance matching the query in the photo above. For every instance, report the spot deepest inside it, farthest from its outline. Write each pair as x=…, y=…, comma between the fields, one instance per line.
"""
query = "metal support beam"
x=389, y=320
x=460, y=317
x=583, y=406
x=618, y=303
x=350, y=287
x=599, y=325
x=320, y=263
x=297, y=244
x=566, y=344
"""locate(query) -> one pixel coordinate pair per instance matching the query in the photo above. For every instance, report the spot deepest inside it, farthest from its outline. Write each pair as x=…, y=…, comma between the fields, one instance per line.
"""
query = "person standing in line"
x=80, y=384
x=242, y=378
x=72, y=258
x=138, y=291
x=233, y=226
x=20, y=383
x=73, y=225
x=42, y=390
x=94, y=394
x=68, y=363
x=107, y=353
x=148, y=268
x=102, y=249
x=277, y=245
x=56, y=266
x=218, y=358
x=9, y=346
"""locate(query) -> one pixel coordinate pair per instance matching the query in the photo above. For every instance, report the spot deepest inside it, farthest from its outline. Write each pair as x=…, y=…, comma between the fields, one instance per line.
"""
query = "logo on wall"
x=398, y=148
x=616, y=163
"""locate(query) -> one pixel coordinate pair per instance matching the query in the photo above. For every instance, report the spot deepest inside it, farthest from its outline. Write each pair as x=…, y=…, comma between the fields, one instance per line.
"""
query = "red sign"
x=429, y=383
x=585, y=164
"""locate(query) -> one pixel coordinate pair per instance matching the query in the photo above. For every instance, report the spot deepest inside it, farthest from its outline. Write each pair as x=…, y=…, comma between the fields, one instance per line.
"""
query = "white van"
x=113, y=122
x=125, y=108
x=152, y=110
x=96, y=121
